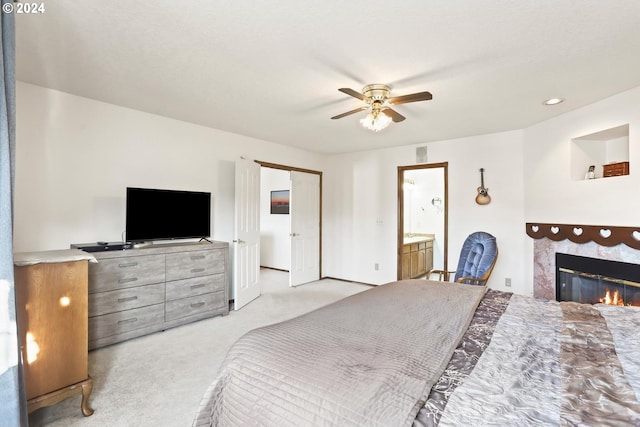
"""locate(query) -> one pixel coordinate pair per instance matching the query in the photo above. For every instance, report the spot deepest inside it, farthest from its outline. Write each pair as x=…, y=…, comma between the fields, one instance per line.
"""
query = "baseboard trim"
x=348, y=281
x=324, y=277
x=273, y=268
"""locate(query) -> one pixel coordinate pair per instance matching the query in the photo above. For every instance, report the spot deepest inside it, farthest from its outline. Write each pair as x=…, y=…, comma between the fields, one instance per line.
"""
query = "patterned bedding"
x=520, y=362
x=541, y=363
x=464, y=358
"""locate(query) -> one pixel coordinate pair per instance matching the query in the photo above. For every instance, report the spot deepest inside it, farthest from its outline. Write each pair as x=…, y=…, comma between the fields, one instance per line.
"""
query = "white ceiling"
x=271, y=70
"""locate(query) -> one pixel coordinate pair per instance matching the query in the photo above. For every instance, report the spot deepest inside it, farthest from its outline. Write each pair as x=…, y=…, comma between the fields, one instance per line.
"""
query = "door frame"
x=319, y=173
x=400, y=241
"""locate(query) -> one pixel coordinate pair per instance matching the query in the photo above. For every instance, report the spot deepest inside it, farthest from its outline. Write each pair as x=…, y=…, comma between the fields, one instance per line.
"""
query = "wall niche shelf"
x=606, y=150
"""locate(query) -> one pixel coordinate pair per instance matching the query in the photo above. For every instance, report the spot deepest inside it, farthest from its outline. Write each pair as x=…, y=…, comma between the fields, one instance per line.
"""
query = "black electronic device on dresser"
x=157, y=214
x=102, y=246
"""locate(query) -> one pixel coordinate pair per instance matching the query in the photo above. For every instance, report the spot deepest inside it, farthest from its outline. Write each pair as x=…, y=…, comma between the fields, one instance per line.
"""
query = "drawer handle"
x=132, y=279
x=201, y=285
x=128, y=264
x=197, y=304
x=195, y=257
x=128, y=299
x=197, y=270
x=132, y=320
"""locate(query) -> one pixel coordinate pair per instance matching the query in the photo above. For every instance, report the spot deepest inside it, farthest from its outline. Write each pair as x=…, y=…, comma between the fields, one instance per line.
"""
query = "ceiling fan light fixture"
x=376, y=99
x=376, y=121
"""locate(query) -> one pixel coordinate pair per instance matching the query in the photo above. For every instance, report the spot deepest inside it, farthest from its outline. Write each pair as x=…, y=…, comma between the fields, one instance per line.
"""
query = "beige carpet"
x=159, y=379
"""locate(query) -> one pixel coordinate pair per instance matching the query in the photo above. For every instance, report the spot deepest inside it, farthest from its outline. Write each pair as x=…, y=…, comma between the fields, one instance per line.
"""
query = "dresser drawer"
x=193, y=305
x=195, y=286
x=195, y=263
x=125, y=272
x=125, y=321
x=125, y=299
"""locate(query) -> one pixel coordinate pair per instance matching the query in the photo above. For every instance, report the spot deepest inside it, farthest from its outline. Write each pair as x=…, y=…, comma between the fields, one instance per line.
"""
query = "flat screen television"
x=154, y=214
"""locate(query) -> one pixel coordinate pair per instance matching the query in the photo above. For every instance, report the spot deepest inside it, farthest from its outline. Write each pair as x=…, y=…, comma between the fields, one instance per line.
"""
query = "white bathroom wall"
x=424, y=214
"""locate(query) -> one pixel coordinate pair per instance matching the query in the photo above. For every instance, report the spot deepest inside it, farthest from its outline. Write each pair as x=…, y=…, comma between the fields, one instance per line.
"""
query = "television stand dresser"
x=135, y=292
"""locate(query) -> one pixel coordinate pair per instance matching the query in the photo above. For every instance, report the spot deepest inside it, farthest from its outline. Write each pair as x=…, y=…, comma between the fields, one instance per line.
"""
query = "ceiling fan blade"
x=395, y=116
x=352, y=92
x=414, y=97
x=348, y=113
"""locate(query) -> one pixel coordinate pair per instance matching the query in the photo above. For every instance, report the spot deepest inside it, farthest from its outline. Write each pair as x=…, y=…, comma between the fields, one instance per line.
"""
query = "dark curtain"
x=12, y=396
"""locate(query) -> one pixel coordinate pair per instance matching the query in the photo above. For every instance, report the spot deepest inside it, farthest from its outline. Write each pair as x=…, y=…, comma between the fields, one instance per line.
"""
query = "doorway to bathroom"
x=422, y=219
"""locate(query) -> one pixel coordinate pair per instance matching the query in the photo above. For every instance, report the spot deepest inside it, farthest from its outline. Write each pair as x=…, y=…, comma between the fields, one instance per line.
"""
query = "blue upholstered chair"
x=477, y=258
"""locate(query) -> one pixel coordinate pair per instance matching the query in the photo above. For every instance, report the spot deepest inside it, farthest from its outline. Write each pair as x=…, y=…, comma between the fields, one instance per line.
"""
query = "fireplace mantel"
x=595, y=241
x=603, y=235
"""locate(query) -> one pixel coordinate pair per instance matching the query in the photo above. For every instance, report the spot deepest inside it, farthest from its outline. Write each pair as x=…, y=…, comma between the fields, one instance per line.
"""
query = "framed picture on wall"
x=280, y=202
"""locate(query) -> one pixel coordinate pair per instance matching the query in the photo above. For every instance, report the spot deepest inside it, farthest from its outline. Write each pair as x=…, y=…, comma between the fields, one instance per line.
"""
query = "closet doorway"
x=290, y=238
x=422, y=219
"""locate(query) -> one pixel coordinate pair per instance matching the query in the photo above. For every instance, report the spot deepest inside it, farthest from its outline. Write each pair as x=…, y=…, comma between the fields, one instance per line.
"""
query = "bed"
x=423, y=353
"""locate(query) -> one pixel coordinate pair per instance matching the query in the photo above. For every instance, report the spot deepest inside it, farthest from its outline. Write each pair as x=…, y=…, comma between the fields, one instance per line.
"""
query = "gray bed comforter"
x=369, y=359
x=521, y=362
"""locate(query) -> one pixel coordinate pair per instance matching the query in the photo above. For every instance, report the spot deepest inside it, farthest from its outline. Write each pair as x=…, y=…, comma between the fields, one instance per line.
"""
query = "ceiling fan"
x=376, y=97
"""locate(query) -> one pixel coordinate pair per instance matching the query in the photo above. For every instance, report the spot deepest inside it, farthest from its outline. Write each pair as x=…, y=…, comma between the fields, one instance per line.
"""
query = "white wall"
x=360, y=219
x=76, y=156
x=551, y=194
x=275, y=246
x=528, y=176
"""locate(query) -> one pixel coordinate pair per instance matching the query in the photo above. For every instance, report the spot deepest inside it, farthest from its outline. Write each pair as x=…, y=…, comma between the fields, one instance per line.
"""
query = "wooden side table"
x=52, y=314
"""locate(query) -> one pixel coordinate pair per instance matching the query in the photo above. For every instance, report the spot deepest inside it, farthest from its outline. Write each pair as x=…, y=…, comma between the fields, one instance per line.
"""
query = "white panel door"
x=305, y=228
x=246, y=244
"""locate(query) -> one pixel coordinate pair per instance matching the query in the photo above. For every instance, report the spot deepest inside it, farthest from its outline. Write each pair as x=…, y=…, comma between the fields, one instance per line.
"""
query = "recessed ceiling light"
x=553, y=101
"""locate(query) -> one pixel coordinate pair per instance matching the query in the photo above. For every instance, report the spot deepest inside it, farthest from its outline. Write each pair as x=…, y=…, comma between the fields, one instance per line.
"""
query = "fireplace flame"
x=612, y=299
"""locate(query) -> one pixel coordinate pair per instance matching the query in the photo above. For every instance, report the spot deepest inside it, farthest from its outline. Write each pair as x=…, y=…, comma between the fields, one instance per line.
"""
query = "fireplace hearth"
x=593, y=281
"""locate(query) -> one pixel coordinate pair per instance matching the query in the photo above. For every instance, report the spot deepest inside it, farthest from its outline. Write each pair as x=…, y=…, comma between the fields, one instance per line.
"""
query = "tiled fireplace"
x=620, y=244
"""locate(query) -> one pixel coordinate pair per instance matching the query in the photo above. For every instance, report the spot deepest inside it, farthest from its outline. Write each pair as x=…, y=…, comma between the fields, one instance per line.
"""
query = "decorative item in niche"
x=280, y=202
x=591, y=174
x=615, y=169
x=483, y=197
